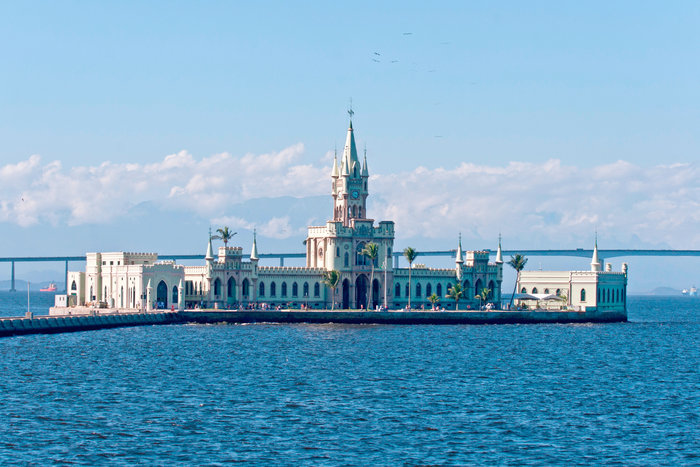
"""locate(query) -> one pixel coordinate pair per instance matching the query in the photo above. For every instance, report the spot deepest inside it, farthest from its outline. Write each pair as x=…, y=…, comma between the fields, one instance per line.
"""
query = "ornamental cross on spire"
x=350, y=111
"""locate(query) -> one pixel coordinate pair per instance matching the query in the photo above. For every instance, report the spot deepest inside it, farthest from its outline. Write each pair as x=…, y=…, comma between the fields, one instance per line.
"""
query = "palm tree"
x=433, y=299
x=224, y=234
x=518, y=263
x=455, y=293
x=332, y=279
x=410, y=255
x=371, y=251
x=483, y=296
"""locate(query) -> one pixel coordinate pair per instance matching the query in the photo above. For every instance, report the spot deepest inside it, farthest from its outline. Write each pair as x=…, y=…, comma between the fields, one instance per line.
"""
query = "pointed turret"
x=458, y=260
x=595, y=262
x=365, y=171
x=499, y=253
x=349, y=159
x=254, y=250
x=459, y=250
x=210, y=250
x=335, y=173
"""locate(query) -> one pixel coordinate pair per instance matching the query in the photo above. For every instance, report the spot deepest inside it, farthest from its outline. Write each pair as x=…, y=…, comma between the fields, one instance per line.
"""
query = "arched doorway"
x=361, y=284
x=376, y=300
x=162, y=295
x=230, y=290
x=478, y=285
x=492, y=294
x=176, y=295
x=346, y=294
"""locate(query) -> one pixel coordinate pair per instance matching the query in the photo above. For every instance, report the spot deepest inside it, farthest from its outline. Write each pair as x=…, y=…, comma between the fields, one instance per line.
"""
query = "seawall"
x=72, y=323
x=83, y=322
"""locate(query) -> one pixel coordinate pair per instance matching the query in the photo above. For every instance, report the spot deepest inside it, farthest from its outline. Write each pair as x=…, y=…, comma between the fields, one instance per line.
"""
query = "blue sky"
x=452, y=100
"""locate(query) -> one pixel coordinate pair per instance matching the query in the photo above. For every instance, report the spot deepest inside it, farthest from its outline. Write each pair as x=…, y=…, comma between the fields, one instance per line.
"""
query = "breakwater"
x=82, y=322
x=30, y=324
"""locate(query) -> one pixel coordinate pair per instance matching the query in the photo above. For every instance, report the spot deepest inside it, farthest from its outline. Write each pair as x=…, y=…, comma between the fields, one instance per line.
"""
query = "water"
x=339, y=394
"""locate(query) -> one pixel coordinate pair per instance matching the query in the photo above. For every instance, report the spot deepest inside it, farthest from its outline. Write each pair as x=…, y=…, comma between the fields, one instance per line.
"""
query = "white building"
x=578, y=290
x=229, y=280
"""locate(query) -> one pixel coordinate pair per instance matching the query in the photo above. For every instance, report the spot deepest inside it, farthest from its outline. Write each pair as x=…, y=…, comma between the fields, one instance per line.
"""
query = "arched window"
x=91, y=296
x=295, y=289
x=408, y=291
x=273, y=289
x=121, y=297
x=397, y=290
x=534, y=290
x=418, y=290
x=217, y=287
x=175, y=295
x=317, y=289
x=583, y=295
x=306, y=289
x=284, y=289
x=245, y=287
x=524, y=290
x=428, y=290
x=546, y=291
x=360, y=259
x=346, y=259
x=559, y=292
x=73, y=286
x=337, y=252
x=261, y=289
x=466, y=286
x=439, y=290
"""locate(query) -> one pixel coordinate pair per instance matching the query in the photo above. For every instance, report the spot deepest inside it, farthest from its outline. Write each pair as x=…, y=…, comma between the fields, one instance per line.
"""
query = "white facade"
x=229, y=281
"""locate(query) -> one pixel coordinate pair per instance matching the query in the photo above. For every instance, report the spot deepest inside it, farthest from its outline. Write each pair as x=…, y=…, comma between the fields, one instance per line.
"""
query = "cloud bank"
x=530, y=203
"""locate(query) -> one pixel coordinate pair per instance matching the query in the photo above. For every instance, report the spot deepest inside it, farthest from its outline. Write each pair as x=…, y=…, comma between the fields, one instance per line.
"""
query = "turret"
x=365, y=170
x=335, y=173
x=499, y=253
x=458, y=260
x=209, y=258
x=254, y=250
x=595, y=262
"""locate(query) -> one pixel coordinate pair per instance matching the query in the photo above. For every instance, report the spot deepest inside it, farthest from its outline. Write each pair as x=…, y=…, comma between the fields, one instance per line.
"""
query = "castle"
x=139, y=281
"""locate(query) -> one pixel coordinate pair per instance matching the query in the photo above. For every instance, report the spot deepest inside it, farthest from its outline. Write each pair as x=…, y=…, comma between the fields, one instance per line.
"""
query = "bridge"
x=578, y=252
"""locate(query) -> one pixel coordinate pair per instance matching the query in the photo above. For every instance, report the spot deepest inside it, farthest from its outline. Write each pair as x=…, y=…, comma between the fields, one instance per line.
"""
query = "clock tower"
x=350, y=183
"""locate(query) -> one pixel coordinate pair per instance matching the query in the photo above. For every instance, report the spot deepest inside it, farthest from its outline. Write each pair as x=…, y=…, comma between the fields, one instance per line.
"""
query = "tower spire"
x=499, y=253
x=595, y=261
x=459, y=250
x=254, y=250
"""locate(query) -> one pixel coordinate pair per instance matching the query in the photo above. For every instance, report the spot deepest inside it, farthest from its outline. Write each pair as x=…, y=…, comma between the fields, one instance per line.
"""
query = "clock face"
x=355, y=194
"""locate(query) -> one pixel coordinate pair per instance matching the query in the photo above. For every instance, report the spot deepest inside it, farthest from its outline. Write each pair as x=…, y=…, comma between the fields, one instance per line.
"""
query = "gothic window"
x=583, y=295
x=73, y=286
x=273, y=289
x=360, y=259
x=524, y=290
x=558, y=292
x=306, y=289
x=418, y=290
x=408, y=290
x=295, y=289
x=534, y=290
x=320, y=252
x=397, y=290
x=175, y=295
x=546, y=291
x=231, y=287
x=439, y=290
x=346, y=259
x=284, y=289
x=337, y=252
x=217, y=287
x=245, y=287
x=428, y=290
x=261, y=289
x=317, y=289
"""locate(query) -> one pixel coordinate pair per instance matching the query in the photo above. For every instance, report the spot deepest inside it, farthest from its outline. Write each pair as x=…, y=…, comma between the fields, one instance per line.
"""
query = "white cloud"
x=527, y=202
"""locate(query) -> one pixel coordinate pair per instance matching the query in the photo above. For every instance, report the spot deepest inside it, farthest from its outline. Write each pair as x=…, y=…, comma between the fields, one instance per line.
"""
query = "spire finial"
x=350, y=111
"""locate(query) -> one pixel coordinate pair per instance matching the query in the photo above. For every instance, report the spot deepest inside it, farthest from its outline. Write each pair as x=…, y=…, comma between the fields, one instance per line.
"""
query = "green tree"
x=483, y=296
x=455, y=293
x=371, y=251
x=224, y=234
x=332, y=279
x=433, y=299
x=410, y=255
x=518, y=263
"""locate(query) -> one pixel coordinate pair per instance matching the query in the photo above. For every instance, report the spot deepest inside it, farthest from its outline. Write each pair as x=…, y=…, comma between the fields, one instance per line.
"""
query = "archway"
x=162, y=294
x=375, y=294
x=478, y=285
x=231, y=289
x=346, y=294
x=361, y=284
x=176, y=298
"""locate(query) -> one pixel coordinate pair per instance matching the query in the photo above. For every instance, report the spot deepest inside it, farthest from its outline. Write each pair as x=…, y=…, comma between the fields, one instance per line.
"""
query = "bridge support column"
x=281, y=261
x=12, y=282
x=66, y=279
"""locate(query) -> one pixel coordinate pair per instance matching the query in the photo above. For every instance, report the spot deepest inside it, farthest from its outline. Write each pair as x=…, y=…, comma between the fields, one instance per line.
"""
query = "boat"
x=50, y=288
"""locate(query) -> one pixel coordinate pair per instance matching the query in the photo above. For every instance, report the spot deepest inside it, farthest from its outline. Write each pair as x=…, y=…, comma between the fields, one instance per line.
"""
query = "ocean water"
x=624, y=393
